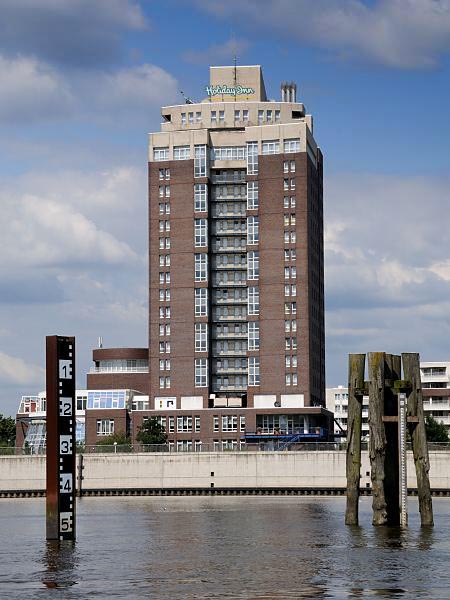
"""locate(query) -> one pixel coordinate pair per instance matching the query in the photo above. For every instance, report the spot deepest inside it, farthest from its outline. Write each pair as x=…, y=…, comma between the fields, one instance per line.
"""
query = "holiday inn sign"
x=226, y=90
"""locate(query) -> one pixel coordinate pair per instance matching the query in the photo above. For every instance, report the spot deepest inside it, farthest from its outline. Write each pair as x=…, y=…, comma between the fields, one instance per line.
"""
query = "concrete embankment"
x=303, y=472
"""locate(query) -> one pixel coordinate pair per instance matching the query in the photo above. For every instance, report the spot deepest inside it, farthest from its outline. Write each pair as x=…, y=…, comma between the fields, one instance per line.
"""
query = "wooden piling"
x=377, y=442
x=356, y=366
x=411, y=373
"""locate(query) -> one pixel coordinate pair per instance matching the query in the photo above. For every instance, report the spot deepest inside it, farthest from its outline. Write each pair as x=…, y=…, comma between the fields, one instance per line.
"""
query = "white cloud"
x=33, y=91
x=387, y=267
x=396, y=33
x=39, y=232
x=14, y=370
x=73, y=33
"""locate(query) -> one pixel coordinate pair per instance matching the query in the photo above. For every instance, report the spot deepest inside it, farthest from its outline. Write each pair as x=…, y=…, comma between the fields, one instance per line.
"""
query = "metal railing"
x=263, y=446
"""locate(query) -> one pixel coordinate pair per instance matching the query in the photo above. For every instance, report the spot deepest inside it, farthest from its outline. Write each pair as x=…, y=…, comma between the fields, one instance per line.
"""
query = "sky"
x=82, y=85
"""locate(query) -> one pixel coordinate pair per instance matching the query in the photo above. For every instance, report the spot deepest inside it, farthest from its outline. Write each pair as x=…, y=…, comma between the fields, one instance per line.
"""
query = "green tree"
x=151, y=432
x=120, y=438
x=436, y=431
x=7, y=431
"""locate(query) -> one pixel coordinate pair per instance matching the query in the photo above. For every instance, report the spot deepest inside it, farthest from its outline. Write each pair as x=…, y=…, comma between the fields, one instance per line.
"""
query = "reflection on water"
x=60, y=562
x=222, y=547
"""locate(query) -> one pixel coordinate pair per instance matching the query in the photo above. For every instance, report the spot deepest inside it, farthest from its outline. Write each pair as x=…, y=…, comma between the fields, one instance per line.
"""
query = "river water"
x=222, y=547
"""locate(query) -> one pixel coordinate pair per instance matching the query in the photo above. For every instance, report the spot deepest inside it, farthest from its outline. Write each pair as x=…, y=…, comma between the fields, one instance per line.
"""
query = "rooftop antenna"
x=186, y=98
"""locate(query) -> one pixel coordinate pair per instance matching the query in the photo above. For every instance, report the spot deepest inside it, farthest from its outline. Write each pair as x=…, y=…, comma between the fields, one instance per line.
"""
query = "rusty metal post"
x=61, y=445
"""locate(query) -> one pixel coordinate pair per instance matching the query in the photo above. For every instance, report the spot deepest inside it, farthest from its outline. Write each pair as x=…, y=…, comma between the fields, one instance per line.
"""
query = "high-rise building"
x=236, y=307
x=236, y=252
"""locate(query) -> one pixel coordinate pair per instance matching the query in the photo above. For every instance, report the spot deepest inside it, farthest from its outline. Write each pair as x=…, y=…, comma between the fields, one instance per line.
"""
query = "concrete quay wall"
x=303, y=470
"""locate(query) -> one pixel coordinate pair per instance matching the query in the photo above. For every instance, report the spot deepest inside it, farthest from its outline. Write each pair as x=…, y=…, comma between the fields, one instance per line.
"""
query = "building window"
x=213, y=116
x=253, y=370
x=191, y=118
x=288, y=379
x=285, y=166
x=277, y=116
x=228, y=153
x=184, y=424
x=293, y=183
x=253, y=335
x=201, y=372
x=200, y=161
x=294, y=378
x=252, y=158
x=200, y=197
x=221, y=116
x=215, y=423
x=270, y=147
x=252, y=195
x=171, y=424
x=286, y=184
x=292, y=201
x=181, y=152
x=160, y=153
x=200, y=232
x=201, y=337
x=229, y=423
x=198, y=117
x=253, y=265
x=242, y=423
x=269, y=116
x=183, y=118
x=201, y=302
x=197, y=423
x=253, y=300
x=105, y=426
x=252, y=230
x=245, y=115
x=260, y=116
x=292, y=165
x=292, y=145
x=201, y=267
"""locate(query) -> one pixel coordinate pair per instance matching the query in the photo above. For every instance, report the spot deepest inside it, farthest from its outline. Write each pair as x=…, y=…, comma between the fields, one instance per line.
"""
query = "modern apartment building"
x=236, y=251
x=337, y=403
x=236, y=300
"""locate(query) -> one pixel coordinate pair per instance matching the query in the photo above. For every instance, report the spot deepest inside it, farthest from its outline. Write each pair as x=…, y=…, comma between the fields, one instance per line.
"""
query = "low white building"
x=337, y=403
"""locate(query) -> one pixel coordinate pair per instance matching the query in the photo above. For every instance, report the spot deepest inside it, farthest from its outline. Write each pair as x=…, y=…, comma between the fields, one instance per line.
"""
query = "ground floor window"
x=105, y=426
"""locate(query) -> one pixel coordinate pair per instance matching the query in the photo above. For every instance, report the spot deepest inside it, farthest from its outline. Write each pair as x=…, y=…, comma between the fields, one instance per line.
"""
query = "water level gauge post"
x=61, y=442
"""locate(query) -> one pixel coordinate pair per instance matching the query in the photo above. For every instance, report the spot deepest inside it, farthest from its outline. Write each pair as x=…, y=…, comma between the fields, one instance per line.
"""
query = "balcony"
x=218, y=213
x=216, y=335
x=239, y=266
x=229, y=177
x=436, y=406
x=229, y=284
x=118, y=370
x=221, y=231
x=228, y=352
x=285, y=436
x=229, y=318
x=229, y=301
x=229, y=370
x=219, y=248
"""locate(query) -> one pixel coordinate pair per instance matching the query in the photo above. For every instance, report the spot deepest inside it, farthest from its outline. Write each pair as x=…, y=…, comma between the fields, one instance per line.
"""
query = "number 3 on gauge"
x=65, y=444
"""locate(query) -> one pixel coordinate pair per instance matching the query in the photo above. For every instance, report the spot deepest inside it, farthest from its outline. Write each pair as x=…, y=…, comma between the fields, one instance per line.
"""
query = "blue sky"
x=82, y=84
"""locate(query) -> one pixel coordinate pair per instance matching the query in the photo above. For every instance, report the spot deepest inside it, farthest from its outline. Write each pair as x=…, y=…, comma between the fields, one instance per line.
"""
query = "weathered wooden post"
x=356, y=366
x=416, y=427
x=377, y=441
